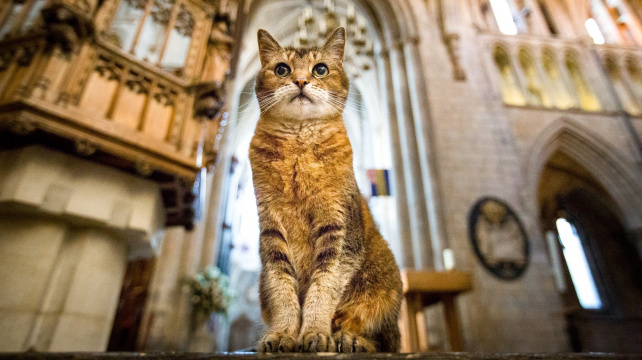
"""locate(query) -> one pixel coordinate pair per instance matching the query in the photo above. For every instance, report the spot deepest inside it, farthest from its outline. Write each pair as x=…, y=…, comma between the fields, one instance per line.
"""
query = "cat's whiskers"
x=336, y=107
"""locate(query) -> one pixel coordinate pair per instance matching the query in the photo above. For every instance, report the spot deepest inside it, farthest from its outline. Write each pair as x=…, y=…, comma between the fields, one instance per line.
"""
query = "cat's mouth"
x=301, y=96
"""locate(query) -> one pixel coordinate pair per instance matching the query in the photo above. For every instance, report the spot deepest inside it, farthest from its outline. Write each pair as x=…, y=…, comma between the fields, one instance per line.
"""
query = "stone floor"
x=324, y=356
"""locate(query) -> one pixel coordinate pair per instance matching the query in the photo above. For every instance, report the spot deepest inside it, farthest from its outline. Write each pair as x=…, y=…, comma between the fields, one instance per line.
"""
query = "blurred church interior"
x=497, y=142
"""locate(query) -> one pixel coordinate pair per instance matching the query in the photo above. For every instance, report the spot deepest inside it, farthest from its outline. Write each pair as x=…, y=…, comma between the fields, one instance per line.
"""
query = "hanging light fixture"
x=319, y=18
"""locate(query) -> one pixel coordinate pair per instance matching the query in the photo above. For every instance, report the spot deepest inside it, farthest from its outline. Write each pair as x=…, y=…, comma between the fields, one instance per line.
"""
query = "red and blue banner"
x=379, y=182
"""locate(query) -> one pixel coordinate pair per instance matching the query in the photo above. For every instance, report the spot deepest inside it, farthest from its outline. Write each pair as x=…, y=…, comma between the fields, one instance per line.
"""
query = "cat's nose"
x=300, y=82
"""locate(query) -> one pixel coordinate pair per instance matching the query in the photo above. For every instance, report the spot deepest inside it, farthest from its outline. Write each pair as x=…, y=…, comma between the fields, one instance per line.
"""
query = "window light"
x=578, y=265
x=594, y=31
x=504, y=17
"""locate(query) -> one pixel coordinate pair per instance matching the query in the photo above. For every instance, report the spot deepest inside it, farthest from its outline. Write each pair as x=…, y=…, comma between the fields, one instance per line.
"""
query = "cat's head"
x=299, y=84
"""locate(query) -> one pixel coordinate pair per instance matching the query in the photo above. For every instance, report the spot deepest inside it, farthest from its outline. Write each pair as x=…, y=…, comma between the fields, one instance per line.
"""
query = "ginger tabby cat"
x=329, y=282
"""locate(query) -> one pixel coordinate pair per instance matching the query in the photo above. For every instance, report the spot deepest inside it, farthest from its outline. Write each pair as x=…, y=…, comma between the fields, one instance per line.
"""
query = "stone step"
x=320, y=356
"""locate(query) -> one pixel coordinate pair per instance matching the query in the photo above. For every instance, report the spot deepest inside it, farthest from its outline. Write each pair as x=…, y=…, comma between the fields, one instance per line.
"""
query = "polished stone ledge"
x=324, y=356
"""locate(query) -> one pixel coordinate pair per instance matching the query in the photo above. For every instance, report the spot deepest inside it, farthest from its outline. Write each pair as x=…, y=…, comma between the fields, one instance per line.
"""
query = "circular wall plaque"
x=498, y=238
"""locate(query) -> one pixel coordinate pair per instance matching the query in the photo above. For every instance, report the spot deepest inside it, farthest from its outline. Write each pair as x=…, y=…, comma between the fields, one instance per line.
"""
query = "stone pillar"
x=399, y=180
x=68, y=228
x=415, y=193
x=426, y=145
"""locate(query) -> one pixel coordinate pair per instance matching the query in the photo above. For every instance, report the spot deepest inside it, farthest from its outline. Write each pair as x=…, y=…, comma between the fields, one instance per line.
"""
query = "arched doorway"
x=597, y=266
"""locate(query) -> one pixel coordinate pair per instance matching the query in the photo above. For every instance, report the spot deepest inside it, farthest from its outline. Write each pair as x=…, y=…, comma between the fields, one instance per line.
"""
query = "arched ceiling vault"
x=388, y=22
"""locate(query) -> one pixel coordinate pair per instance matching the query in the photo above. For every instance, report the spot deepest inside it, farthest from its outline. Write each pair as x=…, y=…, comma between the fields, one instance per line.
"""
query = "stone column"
x=68, y=228
x=420, y=229
x=399, y=180
x=426, y=147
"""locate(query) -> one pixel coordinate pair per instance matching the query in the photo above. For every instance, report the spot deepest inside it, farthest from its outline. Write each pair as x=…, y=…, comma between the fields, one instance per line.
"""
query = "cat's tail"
x=389, y=338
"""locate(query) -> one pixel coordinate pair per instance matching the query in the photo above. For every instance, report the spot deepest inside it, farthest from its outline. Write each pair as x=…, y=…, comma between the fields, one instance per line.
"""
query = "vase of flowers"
x=209, y=293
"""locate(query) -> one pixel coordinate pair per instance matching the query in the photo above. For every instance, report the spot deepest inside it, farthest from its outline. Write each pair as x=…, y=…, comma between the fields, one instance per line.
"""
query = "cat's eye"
x=282, y=70
x=320, y=70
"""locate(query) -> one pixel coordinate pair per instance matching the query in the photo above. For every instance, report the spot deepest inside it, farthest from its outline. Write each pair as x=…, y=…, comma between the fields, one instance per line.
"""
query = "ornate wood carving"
x=6, y=56
x=165, y=95
x=67, y=87
x=84, y=147
x=210, y=98
x=66, y=26
x=138, y=83
x=26, y=54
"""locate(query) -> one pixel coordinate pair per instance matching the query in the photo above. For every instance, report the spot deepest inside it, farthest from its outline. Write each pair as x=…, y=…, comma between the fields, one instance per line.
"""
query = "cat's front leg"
x=279, y=289
x=329, y=277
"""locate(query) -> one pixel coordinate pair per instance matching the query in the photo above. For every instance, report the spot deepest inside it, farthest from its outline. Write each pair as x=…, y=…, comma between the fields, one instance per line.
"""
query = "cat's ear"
x=335, y=45
x=268, y=46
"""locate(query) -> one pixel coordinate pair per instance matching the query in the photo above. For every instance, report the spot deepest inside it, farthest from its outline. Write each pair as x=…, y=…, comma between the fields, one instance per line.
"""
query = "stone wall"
x=483, y=149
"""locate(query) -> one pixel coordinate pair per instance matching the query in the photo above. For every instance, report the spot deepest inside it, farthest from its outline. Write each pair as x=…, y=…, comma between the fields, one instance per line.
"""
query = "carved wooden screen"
x=19, y=16
x=157, y=31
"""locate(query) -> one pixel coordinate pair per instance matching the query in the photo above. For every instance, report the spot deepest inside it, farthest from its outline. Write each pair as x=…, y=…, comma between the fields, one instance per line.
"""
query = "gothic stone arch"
x=608, y=165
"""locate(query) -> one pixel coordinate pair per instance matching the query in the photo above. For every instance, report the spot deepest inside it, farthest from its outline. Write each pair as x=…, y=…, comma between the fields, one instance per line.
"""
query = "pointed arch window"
x=621, y=87
x=536, y=92
x=511, y=91
x=588, y=100
x=20, y=16
x=157, y=31
x=561, y=95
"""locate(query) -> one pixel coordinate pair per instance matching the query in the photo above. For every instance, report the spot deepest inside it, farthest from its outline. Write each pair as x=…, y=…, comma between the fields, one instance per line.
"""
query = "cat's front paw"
x=348, y=342
x=313, y=341
x=277, y=342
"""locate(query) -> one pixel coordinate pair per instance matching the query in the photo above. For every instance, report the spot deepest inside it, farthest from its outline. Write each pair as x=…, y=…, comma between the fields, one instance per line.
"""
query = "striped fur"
x=329, y=281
